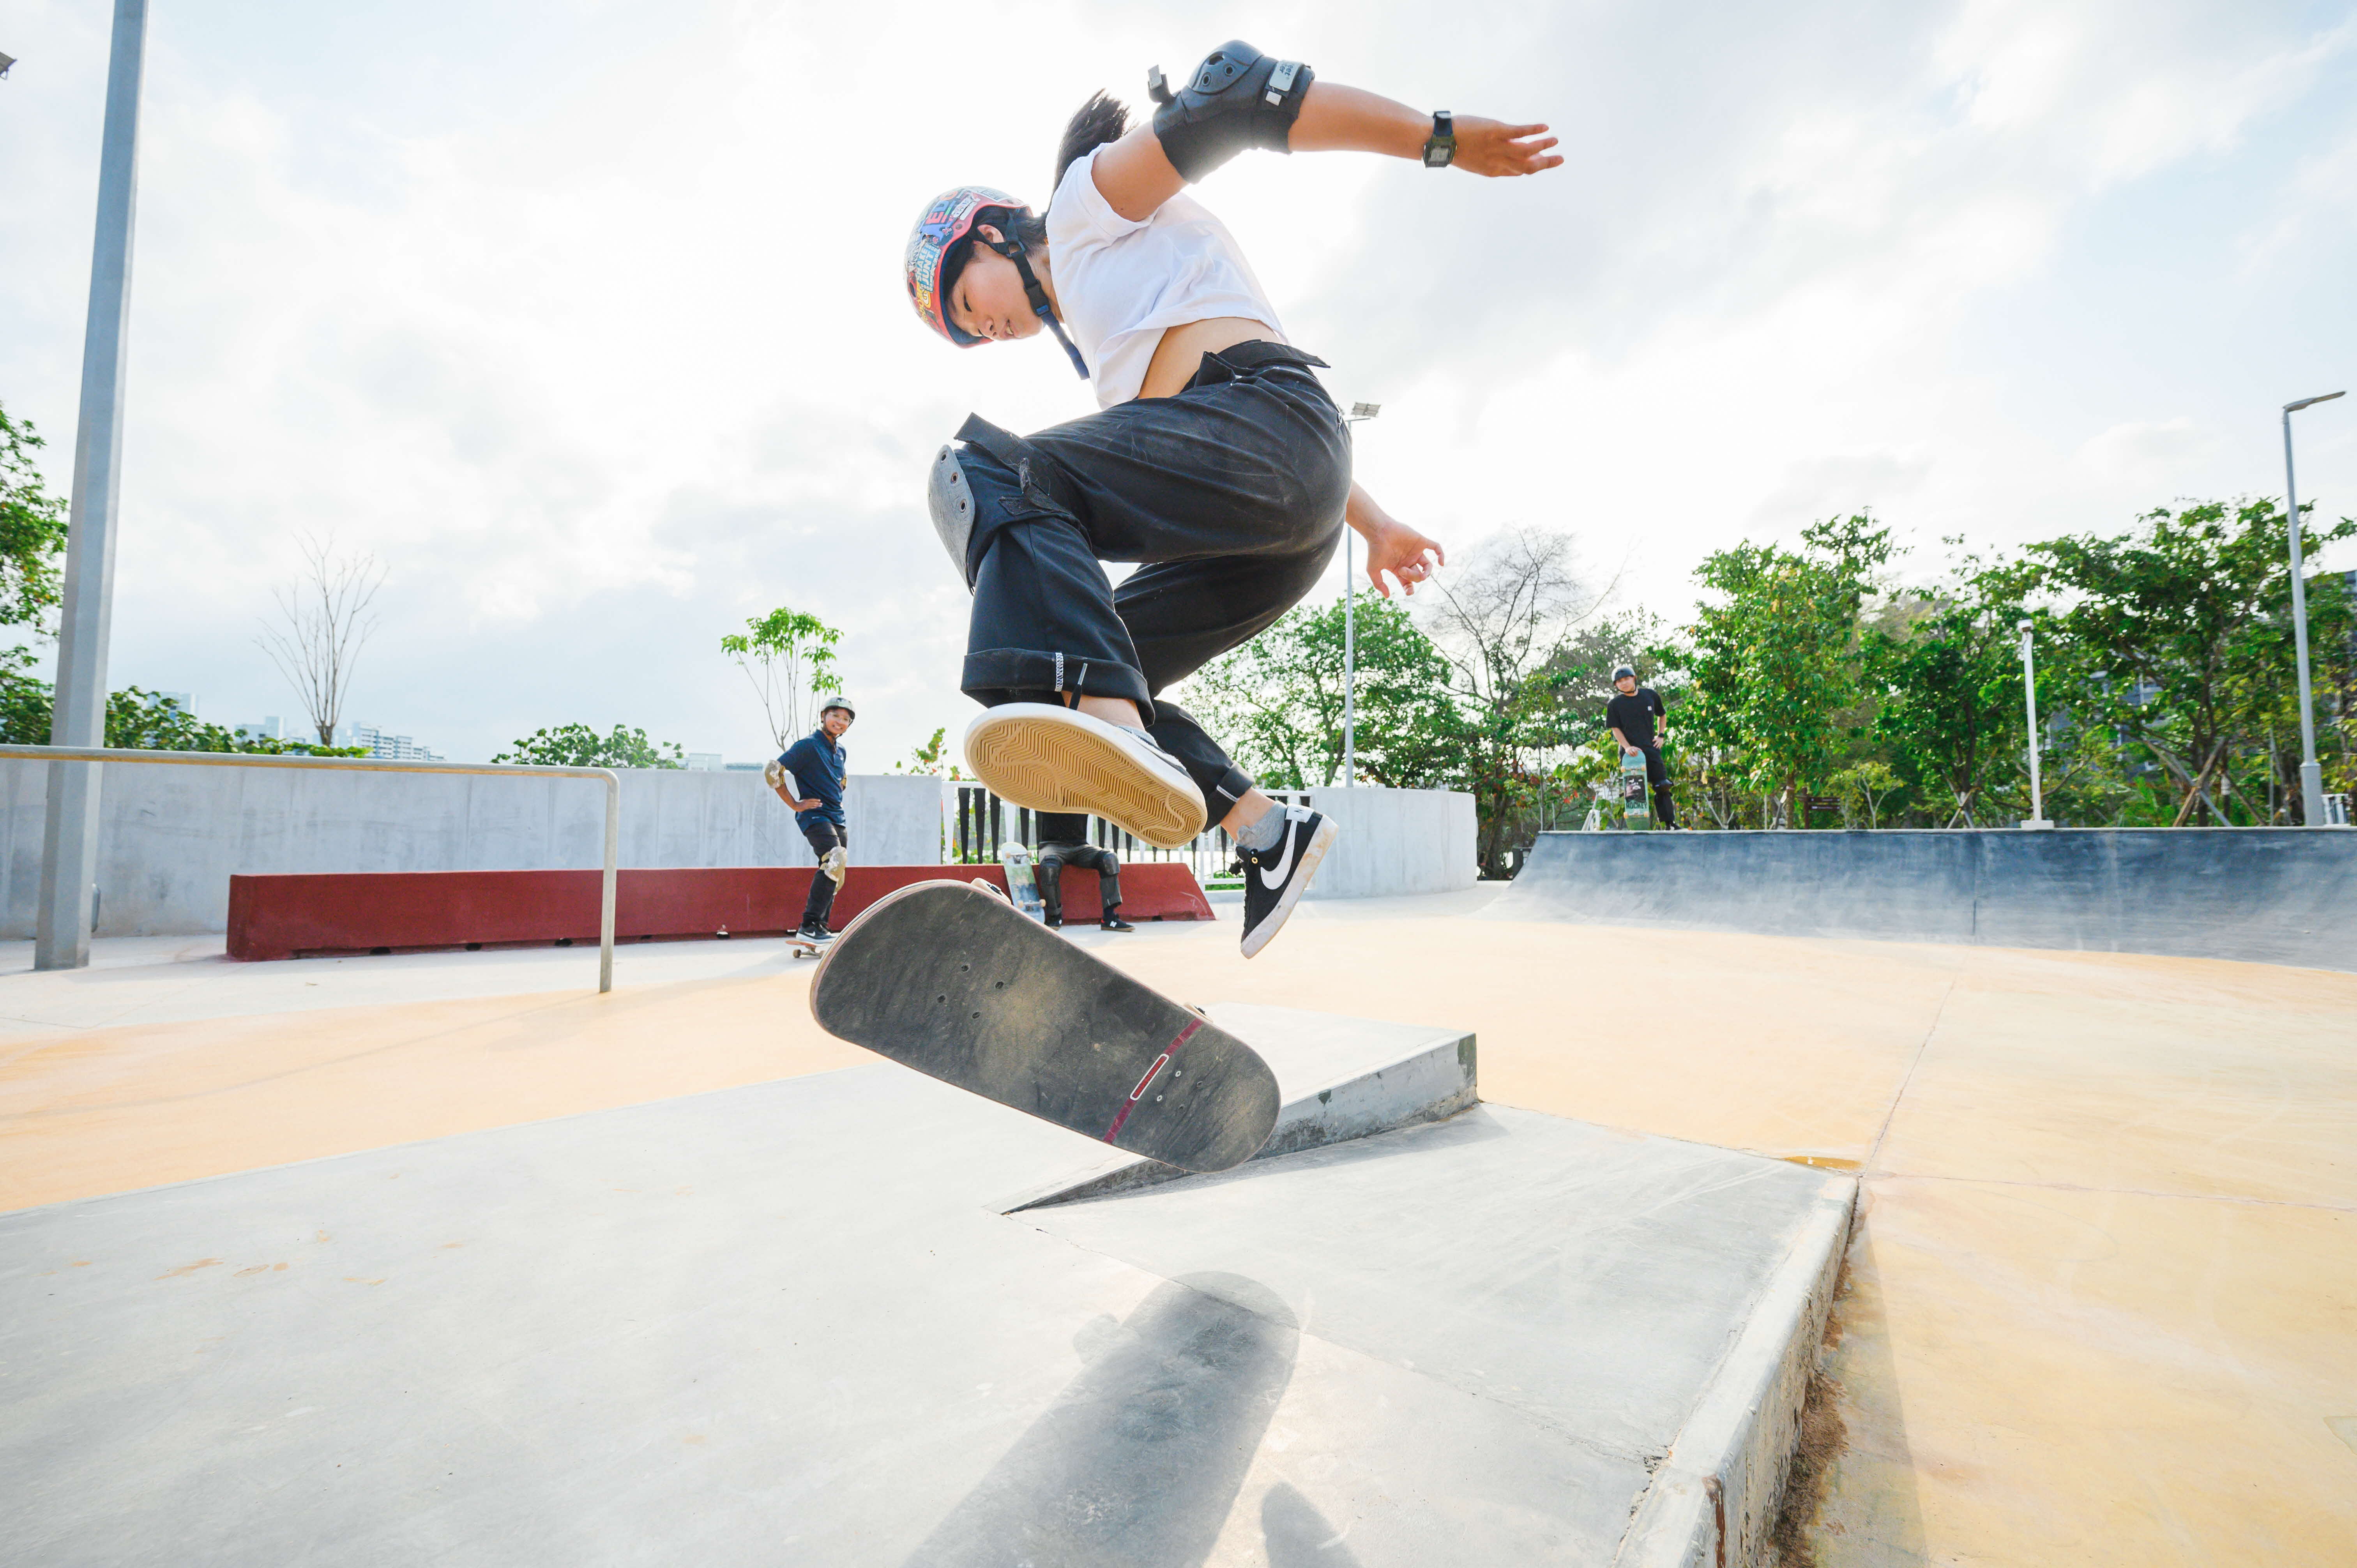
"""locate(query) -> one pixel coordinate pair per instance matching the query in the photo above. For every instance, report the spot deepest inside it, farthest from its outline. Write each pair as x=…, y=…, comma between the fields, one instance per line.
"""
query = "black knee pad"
x=1238, y=98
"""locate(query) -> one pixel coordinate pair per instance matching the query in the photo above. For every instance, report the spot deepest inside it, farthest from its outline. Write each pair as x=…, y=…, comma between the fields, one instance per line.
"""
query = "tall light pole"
x=1360, y=413
x=2311, y=774
x=2030, y=700
x=70, y=835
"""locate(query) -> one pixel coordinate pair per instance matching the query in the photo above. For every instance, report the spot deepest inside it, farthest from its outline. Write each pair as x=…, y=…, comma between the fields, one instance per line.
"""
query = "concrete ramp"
x=2283, y=896
x=789, y=1323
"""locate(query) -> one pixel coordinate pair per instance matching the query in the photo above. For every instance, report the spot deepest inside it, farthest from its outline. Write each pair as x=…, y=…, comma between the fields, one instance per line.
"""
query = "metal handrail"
x=373, y=765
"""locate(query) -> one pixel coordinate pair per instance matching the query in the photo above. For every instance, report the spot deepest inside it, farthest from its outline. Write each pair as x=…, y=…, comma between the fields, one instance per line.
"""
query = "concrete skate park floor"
x=2101, y=1300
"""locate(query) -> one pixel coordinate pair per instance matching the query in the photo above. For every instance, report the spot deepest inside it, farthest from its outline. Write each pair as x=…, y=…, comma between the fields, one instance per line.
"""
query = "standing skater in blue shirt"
x=814, y=767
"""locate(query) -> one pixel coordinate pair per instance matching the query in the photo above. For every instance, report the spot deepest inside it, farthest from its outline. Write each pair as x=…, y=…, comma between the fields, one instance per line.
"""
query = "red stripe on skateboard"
x=1160, y=1063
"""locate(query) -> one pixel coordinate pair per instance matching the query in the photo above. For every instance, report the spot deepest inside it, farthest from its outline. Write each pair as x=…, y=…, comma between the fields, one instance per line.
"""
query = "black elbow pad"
x=1238, y=98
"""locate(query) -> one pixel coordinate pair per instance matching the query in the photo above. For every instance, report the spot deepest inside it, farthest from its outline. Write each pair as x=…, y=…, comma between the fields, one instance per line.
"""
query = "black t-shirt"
x=1632, y=714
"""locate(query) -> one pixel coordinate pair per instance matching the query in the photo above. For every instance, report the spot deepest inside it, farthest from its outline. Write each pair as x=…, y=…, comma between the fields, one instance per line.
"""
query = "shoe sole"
x=1050, y=765
x=1313, y=852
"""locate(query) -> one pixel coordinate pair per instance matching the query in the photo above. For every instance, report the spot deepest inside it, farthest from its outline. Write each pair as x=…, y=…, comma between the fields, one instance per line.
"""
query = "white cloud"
x=586, y=317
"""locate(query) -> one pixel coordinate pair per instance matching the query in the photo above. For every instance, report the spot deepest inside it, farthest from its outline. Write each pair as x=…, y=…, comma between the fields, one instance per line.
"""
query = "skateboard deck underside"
x=951, y=981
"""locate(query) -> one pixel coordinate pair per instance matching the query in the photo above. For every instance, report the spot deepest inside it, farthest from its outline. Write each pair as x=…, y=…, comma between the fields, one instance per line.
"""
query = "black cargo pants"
x=1230, y=494
x=1657, y=780
x=1054, y=858
x=823, y=836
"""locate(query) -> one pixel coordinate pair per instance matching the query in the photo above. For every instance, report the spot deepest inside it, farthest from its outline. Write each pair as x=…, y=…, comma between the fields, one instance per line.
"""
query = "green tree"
x=930, y=757
x=135, y=719
x=32, y=531
x=578, y=745
x=2181, y=635
x=1277, y=701
x=1776, y=680
x=1945, y=663
x=789, y=659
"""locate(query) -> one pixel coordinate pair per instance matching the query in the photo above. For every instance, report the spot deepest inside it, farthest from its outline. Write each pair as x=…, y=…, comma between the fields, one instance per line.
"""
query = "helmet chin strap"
x=1037, y=295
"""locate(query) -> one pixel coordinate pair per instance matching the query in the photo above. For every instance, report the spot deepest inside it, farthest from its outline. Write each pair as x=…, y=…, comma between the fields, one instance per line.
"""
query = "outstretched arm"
x=1135, y=177
x=1392, y=546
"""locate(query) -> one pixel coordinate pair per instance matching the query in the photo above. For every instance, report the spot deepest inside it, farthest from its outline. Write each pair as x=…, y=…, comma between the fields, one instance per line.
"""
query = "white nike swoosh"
x=1283, y=867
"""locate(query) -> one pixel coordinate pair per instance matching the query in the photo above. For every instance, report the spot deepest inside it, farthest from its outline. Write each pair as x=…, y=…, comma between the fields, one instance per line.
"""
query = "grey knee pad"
x=951, y=499
x=1238, y=98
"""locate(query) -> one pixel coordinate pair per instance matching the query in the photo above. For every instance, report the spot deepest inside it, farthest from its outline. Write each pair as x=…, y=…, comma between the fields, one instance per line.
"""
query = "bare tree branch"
x=327, y=624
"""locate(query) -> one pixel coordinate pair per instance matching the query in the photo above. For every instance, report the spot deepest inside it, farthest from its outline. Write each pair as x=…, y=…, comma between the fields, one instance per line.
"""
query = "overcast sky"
x=586, y=319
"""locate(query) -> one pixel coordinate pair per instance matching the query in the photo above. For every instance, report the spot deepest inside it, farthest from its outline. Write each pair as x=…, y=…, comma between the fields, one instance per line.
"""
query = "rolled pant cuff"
x=1225, y=791
x=998, y=675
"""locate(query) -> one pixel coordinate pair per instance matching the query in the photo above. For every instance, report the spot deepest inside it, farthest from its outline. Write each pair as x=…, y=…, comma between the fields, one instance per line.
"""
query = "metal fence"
x=62, y=755
x=982, y=824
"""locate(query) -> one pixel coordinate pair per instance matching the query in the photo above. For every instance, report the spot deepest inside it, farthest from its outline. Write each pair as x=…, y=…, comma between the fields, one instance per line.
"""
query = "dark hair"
x=1101, y=120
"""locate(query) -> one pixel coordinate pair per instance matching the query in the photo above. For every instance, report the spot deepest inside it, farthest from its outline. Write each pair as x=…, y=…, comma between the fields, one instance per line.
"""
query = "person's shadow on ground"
x=1139, y=1462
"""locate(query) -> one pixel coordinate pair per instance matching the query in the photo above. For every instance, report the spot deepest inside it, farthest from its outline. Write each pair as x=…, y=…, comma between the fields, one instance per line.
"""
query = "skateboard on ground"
x=805, y=948
x=951, y=980
x=1022, y=886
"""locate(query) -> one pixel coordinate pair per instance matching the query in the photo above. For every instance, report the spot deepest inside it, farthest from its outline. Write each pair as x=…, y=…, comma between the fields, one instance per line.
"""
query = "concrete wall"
x=172, y=836
x=2262, y=895
x=1395, y=840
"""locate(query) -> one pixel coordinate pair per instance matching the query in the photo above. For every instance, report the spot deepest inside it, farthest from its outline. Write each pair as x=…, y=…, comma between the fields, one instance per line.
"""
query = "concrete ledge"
x=297, y=916
x=1341, y=1079
x=2255, y=895
x=1714, y=1500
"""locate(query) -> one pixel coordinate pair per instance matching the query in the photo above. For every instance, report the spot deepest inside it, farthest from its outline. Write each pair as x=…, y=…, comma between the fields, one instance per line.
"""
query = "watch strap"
x=1440, y=147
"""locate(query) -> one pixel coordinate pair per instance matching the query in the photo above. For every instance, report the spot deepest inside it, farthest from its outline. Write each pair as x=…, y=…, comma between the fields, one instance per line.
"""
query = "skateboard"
x=1635, y=801
x=1022, y=886
x=951, y=980
x=805, y=948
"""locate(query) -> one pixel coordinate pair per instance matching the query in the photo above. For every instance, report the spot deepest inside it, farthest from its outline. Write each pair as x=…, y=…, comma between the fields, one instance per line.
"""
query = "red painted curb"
x=292, y=915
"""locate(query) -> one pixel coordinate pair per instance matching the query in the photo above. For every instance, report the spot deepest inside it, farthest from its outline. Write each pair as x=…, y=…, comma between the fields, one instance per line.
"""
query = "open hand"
x=1494, y=149
x=1400, y=549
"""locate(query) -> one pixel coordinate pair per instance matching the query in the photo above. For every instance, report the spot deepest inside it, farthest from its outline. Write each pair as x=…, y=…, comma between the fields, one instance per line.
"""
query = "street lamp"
x=2312, y=776
x=70, y=834
x=2029, y=699
x=1360, y=413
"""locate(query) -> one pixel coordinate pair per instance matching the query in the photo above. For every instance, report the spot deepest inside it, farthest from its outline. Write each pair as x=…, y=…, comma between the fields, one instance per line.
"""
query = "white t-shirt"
x=1121, y=285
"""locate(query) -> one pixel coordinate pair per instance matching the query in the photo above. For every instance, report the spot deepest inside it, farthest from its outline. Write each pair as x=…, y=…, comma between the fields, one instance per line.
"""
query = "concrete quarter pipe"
x=2261, y=895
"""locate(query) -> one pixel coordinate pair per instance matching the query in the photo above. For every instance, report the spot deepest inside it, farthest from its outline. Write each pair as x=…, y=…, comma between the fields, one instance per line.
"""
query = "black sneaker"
x=1114, y=923
x=1275, y=878
x=818, y=934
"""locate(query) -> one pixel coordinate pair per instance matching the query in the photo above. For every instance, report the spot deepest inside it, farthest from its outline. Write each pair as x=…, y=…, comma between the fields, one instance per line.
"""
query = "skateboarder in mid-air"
x=1216, y=460
x=809, y=777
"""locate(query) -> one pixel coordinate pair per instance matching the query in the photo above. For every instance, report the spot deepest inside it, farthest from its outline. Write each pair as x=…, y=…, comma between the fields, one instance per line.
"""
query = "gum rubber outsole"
x=1050, y=766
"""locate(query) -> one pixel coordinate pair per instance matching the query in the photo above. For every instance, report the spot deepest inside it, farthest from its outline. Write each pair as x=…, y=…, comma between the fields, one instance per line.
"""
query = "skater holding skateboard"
x=1629, y=716
x=809, y=777
x=1064, y=841
x=1216, y=460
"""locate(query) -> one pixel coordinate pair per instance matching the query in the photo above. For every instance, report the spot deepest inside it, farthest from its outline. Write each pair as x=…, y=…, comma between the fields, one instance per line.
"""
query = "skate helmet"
x=938, y=248
x=1623, y=673
x=843, y=702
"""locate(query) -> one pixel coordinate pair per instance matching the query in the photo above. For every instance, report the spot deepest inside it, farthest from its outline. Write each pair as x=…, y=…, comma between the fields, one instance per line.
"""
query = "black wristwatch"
x=1440, y=150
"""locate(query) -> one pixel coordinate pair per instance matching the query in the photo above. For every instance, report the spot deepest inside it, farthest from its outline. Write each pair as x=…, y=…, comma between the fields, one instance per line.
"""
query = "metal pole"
x=1350, y=659
x=2311, y=774
x=91, y=756
x=1360, y=414
x=2029, y=705
x=607, y=883
x=69, y=832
